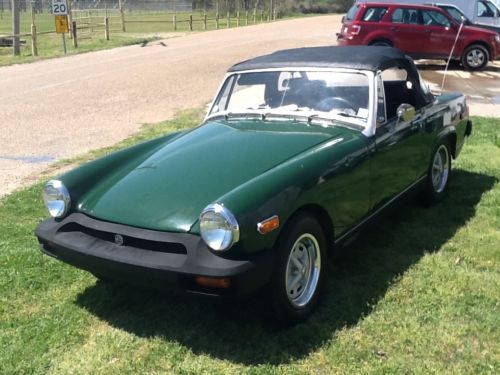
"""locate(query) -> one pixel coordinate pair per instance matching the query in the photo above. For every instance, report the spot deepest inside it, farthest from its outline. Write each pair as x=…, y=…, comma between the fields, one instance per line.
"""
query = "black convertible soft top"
x=355, y=57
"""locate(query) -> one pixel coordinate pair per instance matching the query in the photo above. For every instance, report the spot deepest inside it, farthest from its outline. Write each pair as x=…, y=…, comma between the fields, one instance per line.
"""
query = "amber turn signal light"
x=268, y=225
x=213, y=282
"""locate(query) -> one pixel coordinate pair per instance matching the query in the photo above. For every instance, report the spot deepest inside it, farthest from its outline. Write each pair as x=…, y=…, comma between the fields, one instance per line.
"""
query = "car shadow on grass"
x=241, y=331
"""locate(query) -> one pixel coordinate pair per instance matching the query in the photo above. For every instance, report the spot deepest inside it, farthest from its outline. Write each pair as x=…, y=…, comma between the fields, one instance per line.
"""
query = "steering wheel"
x=334, y=102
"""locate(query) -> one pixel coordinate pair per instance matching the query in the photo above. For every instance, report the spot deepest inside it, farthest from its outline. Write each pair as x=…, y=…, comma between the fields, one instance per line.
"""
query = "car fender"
x=455, y=121
x=290, y=186
x=477, y=40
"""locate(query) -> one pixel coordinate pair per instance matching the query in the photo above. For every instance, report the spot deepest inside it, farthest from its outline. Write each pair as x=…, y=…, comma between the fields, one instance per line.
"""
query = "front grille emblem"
x=118, y=239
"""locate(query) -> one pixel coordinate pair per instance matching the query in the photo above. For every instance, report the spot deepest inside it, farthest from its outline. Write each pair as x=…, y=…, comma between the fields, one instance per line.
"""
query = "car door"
x=440, y=32
x=397, y=151
x=407, y=32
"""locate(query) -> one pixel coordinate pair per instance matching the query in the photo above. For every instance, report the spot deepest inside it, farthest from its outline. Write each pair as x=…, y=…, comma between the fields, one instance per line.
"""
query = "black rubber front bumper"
x=150, y=258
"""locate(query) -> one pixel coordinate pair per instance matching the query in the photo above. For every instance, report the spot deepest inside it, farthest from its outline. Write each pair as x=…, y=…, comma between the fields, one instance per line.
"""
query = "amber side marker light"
x=268, y=225
x=213, y=282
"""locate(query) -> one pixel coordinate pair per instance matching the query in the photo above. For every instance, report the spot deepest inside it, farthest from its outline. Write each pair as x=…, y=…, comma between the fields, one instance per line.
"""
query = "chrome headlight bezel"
x=56, y=198
x=219, y=236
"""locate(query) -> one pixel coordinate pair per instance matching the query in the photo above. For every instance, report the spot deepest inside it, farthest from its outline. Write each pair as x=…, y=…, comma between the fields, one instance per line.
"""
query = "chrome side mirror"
x=406, y=112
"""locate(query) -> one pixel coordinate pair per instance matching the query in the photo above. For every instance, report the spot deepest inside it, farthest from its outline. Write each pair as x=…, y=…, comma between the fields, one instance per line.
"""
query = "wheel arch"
x=449, y=135
x=380, y=39
x=481, y=43
x=320, y=214
x=452, y=139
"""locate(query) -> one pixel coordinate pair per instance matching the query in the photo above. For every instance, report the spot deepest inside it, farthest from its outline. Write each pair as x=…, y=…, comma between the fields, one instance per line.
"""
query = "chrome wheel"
x=303, y=270
x=440, y=169
x=475, y=58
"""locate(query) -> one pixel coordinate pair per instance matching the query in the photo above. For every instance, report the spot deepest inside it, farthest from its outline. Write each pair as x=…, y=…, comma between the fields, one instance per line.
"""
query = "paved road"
x=59, y=108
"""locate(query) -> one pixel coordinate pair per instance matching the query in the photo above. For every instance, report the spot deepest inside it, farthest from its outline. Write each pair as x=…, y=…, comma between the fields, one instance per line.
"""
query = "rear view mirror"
x=406, y=112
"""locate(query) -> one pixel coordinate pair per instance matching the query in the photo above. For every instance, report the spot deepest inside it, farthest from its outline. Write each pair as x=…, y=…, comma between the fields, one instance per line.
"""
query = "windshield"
x=321, y=94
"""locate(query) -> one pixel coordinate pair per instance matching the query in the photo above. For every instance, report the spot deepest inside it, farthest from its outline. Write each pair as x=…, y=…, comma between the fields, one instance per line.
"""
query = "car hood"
x=168, y=190
x=479, y=29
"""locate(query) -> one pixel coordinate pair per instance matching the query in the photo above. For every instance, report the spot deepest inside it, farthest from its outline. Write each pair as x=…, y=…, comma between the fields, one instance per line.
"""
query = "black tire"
x=438, y=175
x=381, y=43
x=475, y=57
x=295, y=291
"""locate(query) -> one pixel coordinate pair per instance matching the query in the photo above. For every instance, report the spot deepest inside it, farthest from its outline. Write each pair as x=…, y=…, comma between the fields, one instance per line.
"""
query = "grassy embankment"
x=418, y=293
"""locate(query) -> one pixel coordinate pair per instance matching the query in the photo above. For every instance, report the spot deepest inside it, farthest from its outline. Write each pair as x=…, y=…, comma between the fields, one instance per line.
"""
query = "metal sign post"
x=59, y=8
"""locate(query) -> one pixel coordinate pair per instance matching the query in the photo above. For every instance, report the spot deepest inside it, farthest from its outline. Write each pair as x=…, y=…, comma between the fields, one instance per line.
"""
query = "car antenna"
x=451, y=53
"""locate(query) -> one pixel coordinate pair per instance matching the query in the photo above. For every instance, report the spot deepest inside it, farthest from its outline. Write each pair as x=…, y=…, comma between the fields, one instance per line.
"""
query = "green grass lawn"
x=417, y=293
x=140, y=26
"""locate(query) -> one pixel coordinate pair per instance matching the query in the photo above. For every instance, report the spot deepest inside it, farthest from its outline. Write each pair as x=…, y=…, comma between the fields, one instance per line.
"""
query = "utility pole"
x=16, y=47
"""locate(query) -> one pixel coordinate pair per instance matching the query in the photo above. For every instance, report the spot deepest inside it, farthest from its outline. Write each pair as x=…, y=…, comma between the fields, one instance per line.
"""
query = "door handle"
x=348, y=161
x=394, y=29
x=417, y=122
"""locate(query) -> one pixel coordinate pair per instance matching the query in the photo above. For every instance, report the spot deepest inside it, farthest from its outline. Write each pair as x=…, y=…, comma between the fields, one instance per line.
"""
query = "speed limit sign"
x=59, y=7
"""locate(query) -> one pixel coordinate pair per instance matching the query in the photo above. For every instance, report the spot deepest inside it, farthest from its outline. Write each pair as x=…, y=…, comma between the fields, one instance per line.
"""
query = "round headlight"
x=218, y=227
x=56, y=198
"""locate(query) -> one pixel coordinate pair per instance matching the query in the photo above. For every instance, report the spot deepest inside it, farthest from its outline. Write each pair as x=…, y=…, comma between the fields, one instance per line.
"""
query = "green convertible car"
x=299, y=149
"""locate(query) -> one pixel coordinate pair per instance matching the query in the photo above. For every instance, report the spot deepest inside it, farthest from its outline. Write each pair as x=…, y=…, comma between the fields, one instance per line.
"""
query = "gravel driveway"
x=60, y=108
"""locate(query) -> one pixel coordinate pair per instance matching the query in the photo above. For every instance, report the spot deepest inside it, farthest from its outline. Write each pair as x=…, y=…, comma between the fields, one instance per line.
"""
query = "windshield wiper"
x=230, y=115
x=311, y=118
x=345, y=114
x=293, y=116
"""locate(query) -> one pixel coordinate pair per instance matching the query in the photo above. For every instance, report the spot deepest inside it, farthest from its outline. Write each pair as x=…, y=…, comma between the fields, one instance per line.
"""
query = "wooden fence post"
x=205, y=21
x=34, y=48
x=75, y=35
x=217, y=21
x=228, y=20
x=122, y=15
x=238, y=19
x=90, y=21
x=174, y=22
x=246, y=18
x=70, y=18
x=16, y=42
x=106, y=28
x=254, y=15
x=262, y=15
x=191, y=22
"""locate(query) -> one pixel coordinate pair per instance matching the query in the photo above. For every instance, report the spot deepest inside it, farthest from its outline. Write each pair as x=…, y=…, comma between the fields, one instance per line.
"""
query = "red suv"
x=421, y=31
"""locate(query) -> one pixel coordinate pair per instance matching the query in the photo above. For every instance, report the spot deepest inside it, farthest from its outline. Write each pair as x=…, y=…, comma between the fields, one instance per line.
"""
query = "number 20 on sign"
x=59, y=7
